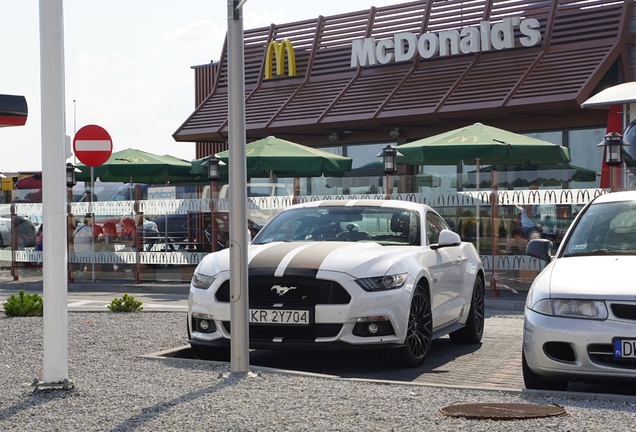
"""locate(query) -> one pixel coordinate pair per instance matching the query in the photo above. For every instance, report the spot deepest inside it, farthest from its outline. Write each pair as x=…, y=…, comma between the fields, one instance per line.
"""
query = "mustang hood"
x=603, y=277
x=361, y=259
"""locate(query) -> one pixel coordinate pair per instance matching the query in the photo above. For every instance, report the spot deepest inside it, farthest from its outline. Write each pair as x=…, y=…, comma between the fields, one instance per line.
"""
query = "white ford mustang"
x=346, y=274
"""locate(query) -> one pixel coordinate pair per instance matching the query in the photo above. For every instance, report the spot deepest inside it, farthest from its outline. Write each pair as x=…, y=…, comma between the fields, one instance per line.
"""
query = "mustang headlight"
x=202, y=281
x=382, y=283
x=570, y=308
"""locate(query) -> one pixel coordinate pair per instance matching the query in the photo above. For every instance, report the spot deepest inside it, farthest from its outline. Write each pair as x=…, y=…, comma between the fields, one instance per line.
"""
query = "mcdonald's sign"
x=279, y=49
x=463, y=139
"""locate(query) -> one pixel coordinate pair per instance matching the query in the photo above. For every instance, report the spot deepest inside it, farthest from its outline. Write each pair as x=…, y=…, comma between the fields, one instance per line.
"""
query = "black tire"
x=203, y=352
x=474, y=329
x=534, y=381
x=419, y=332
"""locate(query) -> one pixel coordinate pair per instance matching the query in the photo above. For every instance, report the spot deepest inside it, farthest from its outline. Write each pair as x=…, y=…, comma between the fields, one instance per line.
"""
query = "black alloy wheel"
x=419, y=332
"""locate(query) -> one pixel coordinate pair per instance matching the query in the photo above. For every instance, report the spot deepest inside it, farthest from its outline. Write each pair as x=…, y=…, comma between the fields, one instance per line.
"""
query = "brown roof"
x=583, y=43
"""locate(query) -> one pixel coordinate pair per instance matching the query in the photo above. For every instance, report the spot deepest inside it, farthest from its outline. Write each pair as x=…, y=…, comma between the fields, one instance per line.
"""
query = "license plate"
x=624, y=348
x=279, y=316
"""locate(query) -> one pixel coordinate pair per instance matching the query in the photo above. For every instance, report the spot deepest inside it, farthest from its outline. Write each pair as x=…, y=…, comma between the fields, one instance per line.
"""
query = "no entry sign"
x=92, y=145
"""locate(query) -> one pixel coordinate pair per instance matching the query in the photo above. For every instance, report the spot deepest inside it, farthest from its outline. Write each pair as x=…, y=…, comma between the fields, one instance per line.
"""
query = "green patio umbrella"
x=483, y=144
x=141, y=167
x=286, y=159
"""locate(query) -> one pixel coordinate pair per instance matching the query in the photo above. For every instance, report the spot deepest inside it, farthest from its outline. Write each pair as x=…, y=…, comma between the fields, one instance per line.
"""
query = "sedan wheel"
x=534, y=381
x=418, y=334
x=474, y=329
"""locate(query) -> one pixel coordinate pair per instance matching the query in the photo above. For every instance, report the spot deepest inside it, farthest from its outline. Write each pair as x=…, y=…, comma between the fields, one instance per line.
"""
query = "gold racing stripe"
x=309, y=260
x=303, y=259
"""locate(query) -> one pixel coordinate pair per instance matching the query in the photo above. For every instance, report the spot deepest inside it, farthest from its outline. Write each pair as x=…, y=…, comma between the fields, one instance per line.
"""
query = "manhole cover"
x=503, y=411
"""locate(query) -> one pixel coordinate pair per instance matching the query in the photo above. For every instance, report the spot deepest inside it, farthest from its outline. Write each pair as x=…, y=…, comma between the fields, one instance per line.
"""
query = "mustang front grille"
x=291, y=291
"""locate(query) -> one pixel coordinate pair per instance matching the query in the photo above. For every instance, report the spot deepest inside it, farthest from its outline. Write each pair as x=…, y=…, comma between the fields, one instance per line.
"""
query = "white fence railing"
x=266, y=207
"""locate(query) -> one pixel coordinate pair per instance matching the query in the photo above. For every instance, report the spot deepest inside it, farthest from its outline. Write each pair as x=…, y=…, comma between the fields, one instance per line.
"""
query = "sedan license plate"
x=279, y=316
x=624, y=348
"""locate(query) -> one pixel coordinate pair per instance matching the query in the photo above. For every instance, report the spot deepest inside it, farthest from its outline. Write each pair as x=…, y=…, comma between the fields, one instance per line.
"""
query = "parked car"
x=254, y=190
x=127, y=191
x=580, y=315
x=101, y=191
x=346, y=274
x=25, y=228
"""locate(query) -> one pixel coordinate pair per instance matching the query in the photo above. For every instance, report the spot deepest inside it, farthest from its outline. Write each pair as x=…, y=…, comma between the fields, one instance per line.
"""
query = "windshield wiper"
x=601, y=250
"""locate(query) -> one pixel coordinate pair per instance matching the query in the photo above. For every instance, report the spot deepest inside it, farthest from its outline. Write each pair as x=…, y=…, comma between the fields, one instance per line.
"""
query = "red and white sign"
x=92, y=145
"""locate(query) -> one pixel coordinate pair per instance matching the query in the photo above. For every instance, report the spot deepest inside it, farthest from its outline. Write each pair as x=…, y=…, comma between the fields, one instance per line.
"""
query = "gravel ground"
x=116, y=390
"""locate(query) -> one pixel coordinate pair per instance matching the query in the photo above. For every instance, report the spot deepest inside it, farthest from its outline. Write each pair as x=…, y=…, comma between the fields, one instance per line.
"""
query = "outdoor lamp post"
x=388, y=154
x=213, y=163
x=214, y=173
x=70, y=175
x=613, y=143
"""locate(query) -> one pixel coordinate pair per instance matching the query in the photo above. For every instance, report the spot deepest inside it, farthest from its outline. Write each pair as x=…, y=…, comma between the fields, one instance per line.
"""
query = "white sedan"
x=346, y=274
x=580, y=316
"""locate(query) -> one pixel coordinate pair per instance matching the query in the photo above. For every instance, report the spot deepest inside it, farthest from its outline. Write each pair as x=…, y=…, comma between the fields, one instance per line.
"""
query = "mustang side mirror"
x=447, y=238
x=540, y=248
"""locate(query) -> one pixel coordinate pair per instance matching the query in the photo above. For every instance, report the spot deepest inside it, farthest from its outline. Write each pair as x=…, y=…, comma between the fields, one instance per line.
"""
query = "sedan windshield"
x=605, y=228
x=387, y=226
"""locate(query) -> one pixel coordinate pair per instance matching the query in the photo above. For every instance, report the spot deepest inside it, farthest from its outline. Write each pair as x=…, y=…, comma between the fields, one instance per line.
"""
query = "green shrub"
x=125, y=304
x=24, y=305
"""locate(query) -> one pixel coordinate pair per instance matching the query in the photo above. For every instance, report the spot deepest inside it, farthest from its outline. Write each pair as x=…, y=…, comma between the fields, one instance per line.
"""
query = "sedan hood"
x=603, y=277
x=361, y=259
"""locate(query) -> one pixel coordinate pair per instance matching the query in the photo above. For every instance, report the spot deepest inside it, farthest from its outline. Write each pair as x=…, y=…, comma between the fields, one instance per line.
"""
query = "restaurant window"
x=585, y=153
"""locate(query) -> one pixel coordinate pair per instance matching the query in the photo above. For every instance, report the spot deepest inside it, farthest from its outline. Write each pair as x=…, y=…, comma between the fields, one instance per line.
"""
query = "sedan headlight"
x=570, y=308
x=202, y=281
x=382, y=283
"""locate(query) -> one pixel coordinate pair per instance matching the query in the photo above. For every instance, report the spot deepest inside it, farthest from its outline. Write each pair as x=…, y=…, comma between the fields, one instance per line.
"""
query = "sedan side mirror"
x=447, y=238
x=540, y=248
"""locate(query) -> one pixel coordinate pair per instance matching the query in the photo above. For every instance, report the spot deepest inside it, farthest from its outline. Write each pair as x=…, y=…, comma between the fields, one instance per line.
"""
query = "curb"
x=119, y=287
x=505, y=305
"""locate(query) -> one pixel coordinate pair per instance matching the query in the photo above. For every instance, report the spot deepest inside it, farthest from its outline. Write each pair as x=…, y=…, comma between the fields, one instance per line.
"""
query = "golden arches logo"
x=279, y=49
x=134, y=159
x=463, y=138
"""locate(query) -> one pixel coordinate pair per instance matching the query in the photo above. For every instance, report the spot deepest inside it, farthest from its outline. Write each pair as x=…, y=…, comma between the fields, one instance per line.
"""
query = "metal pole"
x=92, y=219
x=494, y=201
x=478, y=212
x=55, y=283
x=238, y=192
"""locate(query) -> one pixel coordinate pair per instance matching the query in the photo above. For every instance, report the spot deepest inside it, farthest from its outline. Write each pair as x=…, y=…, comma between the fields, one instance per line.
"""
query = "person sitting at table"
x=110, y=232
x=128, y=230
x=223, y=240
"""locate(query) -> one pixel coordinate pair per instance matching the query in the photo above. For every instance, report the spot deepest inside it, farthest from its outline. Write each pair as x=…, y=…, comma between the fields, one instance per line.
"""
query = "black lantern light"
x=213, y=163
x=613, y=143
x=388, y=154
x=70, y=175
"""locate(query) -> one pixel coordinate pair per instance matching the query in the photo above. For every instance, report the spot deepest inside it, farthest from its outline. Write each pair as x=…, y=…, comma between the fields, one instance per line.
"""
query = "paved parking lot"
x=495, y=363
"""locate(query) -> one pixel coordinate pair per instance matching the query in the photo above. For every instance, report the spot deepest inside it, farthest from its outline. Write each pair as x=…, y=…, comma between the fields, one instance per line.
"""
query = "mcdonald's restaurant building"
x=352, y=83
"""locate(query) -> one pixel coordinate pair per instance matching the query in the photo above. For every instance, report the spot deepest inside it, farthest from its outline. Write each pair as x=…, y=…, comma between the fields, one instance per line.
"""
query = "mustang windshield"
x=604, y=229
x=387, y=226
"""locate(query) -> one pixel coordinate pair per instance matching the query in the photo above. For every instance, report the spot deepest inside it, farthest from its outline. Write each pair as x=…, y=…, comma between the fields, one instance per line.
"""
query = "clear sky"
x=127, y=65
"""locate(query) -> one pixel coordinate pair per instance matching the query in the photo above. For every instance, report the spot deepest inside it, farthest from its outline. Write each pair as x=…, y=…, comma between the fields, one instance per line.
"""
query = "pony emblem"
x=281, y=290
